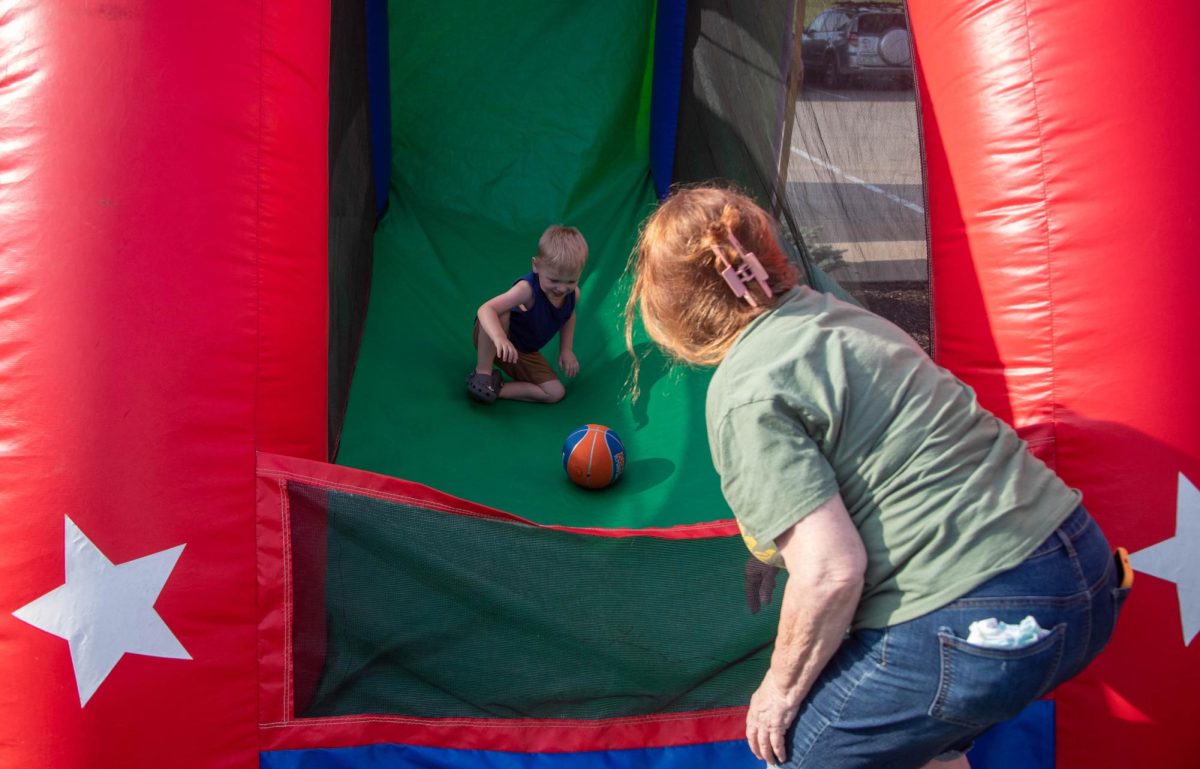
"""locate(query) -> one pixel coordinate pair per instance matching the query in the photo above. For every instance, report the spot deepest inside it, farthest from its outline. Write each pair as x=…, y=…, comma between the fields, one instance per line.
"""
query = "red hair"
x=685, y=304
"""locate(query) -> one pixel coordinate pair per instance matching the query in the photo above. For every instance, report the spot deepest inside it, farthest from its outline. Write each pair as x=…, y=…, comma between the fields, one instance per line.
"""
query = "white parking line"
x=828, y=93
x=850, y=177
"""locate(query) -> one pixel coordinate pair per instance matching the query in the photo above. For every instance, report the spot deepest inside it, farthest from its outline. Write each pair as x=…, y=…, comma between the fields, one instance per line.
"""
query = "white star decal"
x=1175, y=559
x=105, y=611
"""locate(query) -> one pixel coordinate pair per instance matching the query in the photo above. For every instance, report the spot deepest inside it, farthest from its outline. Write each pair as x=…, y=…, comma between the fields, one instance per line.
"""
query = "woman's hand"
x=771, y=713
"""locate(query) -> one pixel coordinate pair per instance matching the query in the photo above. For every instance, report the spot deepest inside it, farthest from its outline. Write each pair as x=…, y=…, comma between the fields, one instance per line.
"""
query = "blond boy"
x=512, y=328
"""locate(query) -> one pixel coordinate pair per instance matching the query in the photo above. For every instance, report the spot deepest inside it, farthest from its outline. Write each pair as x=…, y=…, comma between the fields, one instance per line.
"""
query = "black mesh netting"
x=733, y=109
x=810, y=108
x=409, y=611
x=351, y=202
x=855, y=176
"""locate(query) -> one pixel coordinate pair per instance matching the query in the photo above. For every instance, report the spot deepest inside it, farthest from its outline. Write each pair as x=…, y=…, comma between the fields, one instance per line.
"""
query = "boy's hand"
x=568, y=363
x=506, y=350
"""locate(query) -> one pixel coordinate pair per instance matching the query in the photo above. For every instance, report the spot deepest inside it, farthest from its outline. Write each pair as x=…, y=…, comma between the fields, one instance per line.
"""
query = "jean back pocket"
x=980, y=686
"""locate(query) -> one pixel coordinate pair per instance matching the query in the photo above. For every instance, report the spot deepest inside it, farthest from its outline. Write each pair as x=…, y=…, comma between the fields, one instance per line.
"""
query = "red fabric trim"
x=527, y=736
x=327, y=476
x=273, y=600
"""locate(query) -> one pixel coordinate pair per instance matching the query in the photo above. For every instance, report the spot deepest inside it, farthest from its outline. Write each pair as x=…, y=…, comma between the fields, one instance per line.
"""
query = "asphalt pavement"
x=854, y=175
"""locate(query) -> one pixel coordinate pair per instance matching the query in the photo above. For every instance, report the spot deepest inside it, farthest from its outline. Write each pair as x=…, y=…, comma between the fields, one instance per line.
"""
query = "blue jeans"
x=903, y=695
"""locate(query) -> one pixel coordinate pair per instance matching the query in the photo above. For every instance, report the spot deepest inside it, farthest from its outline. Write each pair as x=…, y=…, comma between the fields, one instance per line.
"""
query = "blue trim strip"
x=379, y=105
x=727, y=755
x=1026, y=741
x=665, y=90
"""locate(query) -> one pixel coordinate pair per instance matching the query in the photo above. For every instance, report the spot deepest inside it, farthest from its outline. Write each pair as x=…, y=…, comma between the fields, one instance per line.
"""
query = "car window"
x=819, y=24
x=839, y=22
x=873, y=23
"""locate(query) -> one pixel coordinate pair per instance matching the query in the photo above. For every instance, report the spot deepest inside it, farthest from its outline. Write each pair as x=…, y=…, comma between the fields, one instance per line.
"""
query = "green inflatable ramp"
x=504, y=122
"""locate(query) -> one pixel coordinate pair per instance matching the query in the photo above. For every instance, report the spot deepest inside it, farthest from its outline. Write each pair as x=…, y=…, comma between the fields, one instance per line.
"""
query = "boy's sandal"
x=484, y=388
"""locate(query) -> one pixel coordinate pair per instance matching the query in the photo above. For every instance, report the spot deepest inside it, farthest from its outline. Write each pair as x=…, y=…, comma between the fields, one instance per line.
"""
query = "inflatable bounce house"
x=250, y=517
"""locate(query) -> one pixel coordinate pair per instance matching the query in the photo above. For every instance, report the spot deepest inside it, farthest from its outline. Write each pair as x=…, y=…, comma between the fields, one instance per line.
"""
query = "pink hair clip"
x=738, y=277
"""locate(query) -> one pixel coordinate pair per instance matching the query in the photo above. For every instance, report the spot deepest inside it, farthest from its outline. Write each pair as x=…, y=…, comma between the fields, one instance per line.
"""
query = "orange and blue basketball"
x=593, y=456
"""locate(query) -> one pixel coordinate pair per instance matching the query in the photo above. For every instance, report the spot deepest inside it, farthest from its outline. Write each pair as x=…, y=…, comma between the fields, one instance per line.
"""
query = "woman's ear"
x=535, y=264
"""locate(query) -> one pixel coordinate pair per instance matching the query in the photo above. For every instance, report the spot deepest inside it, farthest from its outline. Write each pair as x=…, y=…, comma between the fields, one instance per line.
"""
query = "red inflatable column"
x=162, y=315
x=1061, y=162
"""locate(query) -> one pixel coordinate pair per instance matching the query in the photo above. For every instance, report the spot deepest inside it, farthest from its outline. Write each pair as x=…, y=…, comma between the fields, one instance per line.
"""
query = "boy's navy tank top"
x=529, y=331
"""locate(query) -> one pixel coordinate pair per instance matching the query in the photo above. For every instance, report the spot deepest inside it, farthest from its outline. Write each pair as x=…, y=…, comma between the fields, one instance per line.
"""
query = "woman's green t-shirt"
x=818, y=397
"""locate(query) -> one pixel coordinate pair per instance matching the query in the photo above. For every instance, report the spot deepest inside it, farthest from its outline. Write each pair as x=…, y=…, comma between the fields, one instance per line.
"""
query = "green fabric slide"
x=507, y=118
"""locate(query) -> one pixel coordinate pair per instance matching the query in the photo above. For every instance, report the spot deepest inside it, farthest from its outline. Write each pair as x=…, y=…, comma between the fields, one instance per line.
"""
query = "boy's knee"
x=554, y=390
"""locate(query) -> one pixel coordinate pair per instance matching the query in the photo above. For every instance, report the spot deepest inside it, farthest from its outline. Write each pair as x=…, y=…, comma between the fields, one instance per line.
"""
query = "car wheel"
x=834, y=78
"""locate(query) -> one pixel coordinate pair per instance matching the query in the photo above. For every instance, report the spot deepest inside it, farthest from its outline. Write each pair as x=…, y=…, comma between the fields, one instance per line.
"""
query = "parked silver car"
x=851, y=40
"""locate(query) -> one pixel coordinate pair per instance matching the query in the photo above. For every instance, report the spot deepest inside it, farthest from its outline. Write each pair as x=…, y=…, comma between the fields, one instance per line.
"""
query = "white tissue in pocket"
x=994, y=634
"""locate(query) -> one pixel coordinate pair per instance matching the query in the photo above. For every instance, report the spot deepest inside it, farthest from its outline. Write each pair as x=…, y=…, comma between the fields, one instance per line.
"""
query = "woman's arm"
x=826, y=562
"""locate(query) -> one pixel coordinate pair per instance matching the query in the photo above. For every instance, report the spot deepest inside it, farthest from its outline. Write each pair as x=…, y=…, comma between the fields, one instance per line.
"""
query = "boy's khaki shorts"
x=530, y=366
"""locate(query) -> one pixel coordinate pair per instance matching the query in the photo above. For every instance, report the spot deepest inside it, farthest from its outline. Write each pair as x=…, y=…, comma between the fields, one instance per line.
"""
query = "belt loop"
x=1073, y=554
x=1066, y=540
